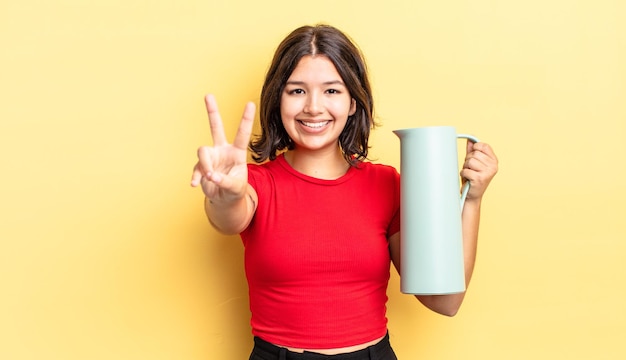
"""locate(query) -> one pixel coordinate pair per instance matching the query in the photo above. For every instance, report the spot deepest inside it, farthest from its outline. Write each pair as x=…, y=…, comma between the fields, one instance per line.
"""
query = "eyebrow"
x=332, y=82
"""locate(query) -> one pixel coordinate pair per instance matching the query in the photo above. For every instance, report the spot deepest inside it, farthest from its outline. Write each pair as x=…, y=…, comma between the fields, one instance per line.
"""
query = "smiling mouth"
x=315, y=125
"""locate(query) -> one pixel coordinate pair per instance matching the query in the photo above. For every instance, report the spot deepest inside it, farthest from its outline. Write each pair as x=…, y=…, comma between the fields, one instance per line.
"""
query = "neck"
x=328, y=165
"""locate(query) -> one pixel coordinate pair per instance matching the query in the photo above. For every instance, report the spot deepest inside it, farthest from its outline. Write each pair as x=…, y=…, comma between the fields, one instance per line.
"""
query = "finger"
x=469, y=146
x=479, y=166
x=196, y=177
x=473, y=164
x=476, y=157
x=215, y=121
x=468, y=174
x=245, y=127
x=230, y=184
x=205, y=162
x=483, y=153
x=485, y=149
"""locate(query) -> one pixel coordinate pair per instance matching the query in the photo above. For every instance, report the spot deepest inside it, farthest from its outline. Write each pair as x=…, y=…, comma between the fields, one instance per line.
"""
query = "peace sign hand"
x=222, y=168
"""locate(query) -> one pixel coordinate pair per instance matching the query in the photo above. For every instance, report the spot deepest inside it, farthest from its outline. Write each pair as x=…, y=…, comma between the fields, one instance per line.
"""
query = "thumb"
x=229, y=184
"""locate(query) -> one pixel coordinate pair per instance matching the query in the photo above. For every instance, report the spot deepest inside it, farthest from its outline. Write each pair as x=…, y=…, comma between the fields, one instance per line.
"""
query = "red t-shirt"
x=317, y=256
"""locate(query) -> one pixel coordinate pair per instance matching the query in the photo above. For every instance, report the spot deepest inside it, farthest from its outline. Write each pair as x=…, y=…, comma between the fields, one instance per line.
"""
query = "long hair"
x=348, y=60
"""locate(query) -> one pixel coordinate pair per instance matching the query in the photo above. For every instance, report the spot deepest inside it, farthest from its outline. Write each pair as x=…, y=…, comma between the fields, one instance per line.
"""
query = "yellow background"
x=105, y=252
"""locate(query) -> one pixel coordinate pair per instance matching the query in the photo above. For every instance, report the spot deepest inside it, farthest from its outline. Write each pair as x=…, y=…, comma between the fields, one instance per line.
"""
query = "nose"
x=314, y=104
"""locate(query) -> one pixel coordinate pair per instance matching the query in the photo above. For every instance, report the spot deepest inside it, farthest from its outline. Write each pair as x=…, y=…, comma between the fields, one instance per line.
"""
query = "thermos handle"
x=466, y=186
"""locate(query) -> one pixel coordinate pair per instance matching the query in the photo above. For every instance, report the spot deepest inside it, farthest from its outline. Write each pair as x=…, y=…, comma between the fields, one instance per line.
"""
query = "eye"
x=333, y=91
x=295, y=91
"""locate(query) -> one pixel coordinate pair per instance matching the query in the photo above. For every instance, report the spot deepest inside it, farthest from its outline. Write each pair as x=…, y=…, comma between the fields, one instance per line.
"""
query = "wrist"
x=220, y=202
x=473, y=202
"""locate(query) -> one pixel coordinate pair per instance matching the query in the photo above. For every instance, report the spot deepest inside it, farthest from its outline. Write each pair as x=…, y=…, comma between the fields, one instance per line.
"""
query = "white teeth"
x=315, y=124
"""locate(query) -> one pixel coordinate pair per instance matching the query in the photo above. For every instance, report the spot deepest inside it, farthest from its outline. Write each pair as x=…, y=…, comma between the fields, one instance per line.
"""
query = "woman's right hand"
x=222, y=169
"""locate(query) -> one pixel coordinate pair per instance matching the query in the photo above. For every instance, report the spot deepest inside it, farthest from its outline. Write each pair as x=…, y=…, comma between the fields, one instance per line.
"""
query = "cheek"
x=352, y=107
x=342, y=110
x=288, y=109
x=285, y=123
x=285, y=117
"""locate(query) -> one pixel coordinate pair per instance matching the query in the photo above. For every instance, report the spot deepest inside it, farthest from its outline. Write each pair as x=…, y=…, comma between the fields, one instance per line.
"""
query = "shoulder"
x=259, y=173
x=267, y=173
x=374, y=169
x=378, y=176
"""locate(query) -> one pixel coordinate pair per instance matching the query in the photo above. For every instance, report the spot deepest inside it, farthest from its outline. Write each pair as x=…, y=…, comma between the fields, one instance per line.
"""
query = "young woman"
x=319, y=223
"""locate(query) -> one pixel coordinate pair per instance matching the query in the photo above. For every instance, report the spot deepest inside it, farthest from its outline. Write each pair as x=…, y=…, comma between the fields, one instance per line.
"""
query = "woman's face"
x=315, y=104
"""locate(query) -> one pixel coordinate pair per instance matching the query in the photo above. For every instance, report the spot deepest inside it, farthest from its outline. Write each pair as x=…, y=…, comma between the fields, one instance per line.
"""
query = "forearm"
x=470, y=224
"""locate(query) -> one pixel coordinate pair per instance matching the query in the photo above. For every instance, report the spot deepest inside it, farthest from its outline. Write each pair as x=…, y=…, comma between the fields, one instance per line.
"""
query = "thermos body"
x=431, y=234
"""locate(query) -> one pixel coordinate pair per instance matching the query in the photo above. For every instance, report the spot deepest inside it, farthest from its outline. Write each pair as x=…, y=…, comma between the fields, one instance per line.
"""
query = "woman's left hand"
x=480, y=166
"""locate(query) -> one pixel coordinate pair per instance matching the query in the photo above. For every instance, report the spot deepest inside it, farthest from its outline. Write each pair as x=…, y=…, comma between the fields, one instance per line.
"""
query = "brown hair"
x=347, y=58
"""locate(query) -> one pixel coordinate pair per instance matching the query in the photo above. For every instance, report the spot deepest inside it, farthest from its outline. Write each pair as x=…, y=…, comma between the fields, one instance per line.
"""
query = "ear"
x=352, y=107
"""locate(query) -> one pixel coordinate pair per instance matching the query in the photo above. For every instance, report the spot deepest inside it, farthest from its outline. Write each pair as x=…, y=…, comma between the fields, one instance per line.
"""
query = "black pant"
x=264, y=350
